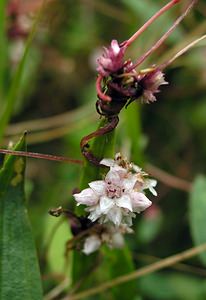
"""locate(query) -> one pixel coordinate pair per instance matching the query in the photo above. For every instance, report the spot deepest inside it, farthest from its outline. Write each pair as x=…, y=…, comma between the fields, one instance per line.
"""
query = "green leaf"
x=197, y=209
x=19, y=271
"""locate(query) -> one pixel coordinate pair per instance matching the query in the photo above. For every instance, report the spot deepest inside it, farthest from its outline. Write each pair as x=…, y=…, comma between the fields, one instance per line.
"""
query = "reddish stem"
x=149, y=22
x=101, y=95
x=42, y=156
x=111, y=125
x=164, y=37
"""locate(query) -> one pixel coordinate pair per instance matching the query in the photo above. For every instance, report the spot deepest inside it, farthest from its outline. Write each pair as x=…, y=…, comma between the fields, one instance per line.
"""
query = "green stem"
x=134, y=132
x=101, y=147
x=115, y=261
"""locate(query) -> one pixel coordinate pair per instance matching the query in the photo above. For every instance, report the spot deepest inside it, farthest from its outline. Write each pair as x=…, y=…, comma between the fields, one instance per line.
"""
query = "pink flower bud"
x=151, y=83
x=111, y=60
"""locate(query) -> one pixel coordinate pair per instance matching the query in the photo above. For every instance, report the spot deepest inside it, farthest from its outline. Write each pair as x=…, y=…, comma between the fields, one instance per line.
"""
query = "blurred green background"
x=55, y=103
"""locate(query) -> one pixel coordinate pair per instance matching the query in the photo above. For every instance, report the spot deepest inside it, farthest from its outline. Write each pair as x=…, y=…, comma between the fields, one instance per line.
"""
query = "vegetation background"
x=55, y=102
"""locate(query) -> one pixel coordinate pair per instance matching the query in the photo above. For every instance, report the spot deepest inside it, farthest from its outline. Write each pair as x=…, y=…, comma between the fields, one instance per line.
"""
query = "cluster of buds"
x=114, y=201
x=118, y=82
x=124, y=79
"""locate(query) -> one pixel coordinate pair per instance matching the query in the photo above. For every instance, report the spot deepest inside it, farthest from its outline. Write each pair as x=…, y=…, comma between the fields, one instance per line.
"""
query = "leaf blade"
x=19, y=271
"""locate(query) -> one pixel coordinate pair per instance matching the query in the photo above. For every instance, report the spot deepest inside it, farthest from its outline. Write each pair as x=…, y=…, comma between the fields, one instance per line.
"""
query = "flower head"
x=123, y=81
x=119, y=196
x=113, y=202
x=151, y=83
x=111, y=60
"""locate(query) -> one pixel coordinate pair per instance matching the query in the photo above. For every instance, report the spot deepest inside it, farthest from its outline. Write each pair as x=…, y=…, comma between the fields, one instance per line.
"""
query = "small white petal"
x=115, y=47
x=113, y=178
x=139, y=201
x=91, y=244
x=87, y=197
x=105, y=204
x=115, y=215
x=98, y=186
x=124, y=202
x=150, y=184
x=152, y=190
x=129, y=183
x=120, y=170
x=94, y=215
x=107, y=162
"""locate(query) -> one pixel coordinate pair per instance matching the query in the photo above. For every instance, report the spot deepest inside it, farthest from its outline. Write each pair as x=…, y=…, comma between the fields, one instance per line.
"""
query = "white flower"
x=91, y=244
x=119, y=196
x=110, y=235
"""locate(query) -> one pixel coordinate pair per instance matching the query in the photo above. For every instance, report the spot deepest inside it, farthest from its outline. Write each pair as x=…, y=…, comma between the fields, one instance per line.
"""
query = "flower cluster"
x=114, y=201
x=111, y=60
x=124, y=79
x=150, y=83
x=121, y=75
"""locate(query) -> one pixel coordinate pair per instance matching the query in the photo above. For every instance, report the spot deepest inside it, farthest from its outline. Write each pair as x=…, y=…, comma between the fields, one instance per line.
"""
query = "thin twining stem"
x=149, y=22
x=168, y=179
x=182, y=51
x=108, y=127
x=159, y=265
x=164, y=37
x=42, y=156
x=100, y=94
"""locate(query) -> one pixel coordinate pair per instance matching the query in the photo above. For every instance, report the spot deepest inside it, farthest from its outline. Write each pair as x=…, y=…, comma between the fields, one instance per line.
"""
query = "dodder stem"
x=42, y=156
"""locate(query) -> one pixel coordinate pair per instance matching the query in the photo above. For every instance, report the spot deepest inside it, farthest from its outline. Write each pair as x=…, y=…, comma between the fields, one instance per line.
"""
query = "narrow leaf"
x=197, y=209
x=19, y=271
